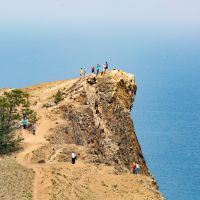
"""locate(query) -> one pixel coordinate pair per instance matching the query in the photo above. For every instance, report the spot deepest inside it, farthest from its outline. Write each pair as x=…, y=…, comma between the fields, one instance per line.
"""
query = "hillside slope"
x=94, y=121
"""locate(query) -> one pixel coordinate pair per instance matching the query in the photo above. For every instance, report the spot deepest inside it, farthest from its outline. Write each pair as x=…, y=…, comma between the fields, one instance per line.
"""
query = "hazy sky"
x=51, y=39
x=181, y=13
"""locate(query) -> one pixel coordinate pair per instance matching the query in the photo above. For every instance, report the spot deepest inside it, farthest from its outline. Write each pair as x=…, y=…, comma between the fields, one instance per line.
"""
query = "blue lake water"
x=166, y=112
x=167, y=122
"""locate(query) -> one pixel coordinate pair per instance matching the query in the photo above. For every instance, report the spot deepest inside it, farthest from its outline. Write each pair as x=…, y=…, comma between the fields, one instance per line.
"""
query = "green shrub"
x=58, y=97
x=12, y=105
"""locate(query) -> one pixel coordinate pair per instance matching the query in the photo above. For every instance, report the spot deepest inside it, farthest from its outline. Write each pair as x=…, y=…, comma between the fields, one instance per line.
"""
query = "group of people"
x=94, y=69
x=135, y=168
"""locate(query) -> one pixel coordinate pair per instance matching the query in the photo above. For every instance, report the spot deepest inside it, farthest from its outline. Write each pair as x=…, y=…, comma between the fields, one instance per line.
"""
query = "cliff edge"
x=92, y=118
x=96, y=113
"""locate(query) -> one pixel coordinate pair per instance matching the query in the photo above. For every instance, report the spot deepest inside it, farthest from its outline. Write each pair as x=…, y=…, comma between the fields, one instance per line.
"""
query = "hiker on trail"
x=73, y=158
x=81, y=72
x=34, y=129
x=98, y=68
x=24, y=123
x=93, y=69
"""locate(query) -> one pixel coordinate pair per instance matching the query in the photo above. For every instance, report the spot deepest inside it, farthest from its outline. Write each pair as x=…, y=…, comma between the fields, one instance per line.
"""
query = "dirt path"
x=35, y=184
x=32, y=142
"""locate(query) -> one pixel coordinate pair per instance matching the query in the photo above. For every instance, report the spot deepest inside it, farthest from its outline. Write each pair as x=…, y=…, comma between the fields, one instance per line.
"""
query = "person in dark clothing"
x=34, y=129
x=106, y=66
x=24, y=123
x=73, y=158
x=93, y=70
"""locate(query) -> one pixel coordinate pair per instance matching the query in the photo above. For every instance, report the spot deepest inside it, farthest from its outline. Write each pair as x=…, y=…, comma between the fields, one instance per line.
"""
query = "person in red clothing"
x=133, y=168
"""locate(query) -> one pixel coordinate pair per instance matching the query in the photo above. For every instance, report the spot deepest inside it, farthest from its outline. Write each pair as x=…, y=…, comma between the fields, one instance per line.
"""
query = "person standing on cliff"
x=73, y=157
x=106, y=66
x=93, y=69
x=81, y=72
x=98, y=68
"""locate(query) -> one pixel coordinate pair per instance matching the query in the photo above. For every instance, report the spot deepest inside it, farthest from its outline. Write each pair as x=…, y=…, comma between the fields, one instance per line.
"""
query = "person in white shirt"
x=73, y=158
x=104, y=68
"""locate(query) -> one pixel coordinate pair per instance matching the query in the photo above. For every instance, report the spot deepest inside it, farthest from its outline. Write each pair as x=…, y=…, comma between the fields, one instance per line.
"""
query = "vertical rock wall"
x=97, y=114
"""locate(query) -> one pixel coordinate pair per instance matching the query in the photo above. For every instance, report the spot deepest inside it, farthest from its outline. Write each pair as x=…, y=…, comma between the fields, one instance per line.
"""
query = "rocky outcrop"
x=93, y=119
x=96, y=113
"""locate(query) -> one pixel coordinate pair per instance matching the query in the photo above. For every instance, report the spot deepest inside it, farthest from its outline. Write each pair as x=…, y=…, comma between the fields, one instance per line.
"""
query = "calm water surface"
x=167, y=122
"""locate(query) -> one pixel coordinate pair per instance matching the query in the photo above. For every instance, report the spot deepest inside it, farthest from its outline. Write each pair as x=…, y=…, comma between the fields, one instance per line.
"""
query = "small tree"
x=12, y=104
x=58, y=97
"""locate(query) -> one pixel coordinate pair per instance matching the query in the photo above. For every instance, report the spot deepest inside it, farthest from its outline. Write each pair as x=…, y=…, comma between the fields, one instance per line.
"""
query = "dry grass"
x=15, y=180
x=89, y=182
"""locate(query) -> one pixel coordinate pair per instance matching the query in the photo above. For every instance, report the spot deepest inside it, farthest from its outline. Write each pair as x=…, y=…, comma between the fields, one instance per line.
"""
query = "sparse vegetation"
x=58, y=97
x=12, y=105
x=15, y=181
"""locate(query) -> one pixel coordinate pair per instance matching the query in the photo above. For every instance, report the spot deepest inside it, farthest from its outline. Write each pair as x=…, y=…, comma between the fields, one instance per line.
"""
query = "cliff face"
x=97, y=114
x=94, y=120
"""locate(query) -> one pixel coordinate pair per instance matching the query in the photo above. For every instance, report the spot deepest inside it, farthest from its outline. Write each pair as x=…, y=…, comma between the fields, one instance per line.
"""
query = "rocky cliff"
x=97, y=114
x=92, y=118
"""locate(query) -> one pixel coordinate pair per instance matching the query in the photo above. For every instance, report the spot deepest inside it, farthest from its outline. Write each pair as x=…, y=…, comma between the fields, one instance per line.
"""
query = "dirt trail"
x=32, y=142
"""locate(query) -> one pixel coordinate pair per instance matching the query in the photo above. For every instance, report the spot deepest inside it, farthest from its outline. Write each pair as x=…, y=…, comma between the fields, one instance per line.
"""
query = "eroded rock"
x=99, y=118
